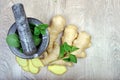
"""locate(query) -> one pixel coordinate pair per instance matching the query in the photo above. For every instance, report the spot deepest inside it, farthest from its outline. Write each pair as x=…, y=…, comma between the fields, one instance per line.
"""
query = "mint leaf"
x=73, y=48
x=37, y=40
x=21, y=50
x=40, y=29
x=43, y=26
x=73, y=58
x=62, y=52
x=43, y=32
x=36, y=31
x=13, y=40
x=31, y=25
x=67, y=47
x=65, y=50
x=67, y=59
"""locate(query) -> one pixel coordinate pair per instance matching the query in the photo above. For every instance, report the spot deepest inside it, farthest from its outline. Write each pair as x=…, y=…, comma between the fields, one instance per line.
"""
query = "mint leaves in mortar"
x=36, y=30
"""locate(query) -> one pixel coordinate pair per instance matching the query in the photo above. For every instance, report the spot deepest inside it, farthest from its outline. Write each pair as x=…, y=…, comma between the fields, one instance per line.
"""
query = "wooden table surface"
x=100, y=18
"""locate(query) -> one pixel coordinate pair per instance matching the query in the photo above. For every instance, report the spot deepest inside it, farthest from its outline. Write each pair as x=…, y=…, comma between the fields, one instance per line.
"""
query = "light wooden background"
x=100, y=18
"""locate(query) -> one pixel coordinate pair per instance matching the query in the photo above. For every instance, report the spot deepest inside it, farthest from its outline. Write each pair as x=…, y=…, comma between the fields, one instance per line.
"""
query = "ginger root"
x=80, y=55
x=56, y=27
x=83, y=41
x=45, y=54
x=70, y=33
x=53, y=55
x=57, y=69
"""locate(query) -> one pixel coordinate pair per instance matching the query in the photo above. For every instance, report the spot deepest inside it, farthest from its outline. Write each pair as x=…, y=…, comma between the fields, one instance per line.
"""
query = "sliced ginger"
x=30, y=65
x=32, y=68
x=26, y=68
x=22, y=62
x=57, y=69
x=37, y=62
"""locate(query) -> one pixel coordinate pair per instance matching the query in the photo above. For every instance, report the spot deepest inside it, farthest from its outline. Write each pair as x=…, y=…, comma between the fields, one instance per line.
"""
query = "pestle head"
x=23, y=29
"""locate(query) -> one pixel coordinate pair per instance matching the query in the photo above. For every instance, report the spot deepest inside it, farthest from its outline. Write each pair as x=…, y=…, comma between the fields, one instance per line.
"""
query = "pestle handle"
x=23, y=28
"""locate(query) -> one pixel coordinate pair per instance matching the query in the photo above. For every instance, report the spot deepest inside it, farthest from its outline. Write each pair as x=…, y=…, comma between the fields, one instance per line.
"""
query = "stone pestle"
x=23, y=29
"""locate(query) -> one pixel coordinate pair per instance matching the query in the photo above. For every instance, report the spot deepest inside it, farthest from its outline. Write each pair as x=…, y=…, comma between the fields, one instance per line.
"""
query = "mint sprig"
x=13, y=40
x=37, y=40
x=71, y=58
x=40, y=29
x=66, y=49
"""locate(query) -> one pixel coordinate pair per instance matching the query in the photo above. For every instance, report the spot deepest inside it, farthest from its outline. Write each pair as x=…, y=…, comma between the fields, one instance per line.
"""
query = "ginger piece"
x=53, y=55
x=25, y=68
x=80, y=55
x=57, y=69
x=30, y=65
x=45, y=54
x=37, y=62
x=56, y=27
x=70, y=33
x=32, y=68
x=21, y=62
x=83, y=41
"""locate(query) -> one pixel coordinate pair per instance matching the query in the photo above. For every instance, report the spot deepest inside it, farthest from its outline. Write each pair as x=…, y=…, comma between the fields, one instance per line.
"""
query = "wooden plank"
x=100, y=18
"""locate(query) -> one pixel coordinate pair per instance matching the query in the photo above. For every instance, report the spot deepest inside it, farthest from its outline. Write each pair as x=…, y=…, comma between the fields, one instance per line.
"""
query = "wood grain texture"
x=100, y=18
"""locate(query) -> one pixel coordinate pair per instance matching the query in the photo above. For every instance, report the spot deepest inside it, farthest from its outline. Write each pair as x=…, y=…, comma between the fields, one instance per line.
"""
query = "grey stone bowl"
x=43, y=45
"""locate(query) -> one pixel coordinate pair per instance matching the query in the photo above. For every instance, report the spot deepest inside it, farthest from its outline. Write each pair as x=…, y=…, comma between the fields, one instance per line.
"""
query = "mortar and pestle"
x=21, y=26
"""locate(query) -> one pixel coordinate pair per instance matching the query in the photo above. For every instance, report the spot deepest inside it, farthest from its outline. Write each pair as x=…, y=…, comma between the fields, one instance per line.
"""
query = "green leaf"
x=40, y=29
x=73, y=58
x=21, y=50
x=43, y=26
x=32, y=25
x=67, y=59
x=73, y=48
x=43, y=32
x=13, y=40
x=37, y=40
x=67, y=47
x=62, y=52
x=37, y=31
